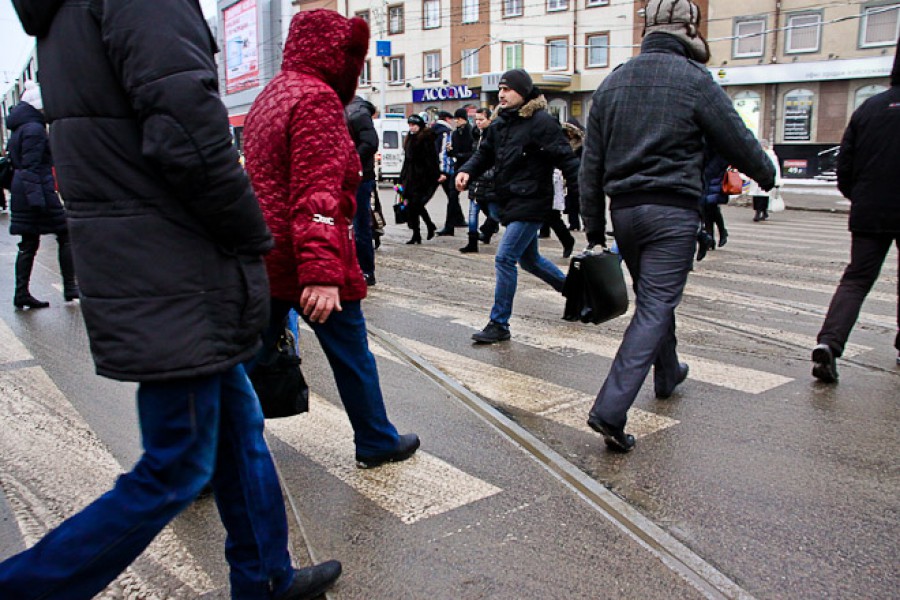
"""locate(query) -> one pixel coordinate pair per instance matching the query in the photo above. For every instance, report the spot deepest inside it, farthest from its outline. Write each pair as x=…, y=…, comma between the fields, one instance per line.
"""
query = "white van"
x=392, y=131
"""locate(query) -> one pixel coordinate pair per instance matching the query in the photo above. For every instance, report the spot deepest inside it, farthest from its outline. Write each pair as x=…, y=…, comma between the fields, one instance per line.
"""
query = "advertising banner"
x=454, y=92
x=241, y=49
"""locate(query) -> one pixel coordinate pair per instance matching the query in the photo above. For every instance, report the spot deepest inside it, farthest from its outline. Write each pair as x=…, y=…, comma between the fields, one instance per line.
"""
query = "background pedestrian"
x=713, y=199
x=761, y=197
x=362, y=130
x=481, y=193
x=443, y=128
x=420, y=176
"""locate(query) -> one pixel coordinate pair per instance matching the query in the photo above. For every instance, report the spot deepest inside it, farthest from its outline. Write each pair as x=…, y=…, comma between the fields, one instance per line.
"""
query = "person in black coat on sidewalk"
x=34, y=204
x=419, y=176
x=867, y=176
x=362, y=130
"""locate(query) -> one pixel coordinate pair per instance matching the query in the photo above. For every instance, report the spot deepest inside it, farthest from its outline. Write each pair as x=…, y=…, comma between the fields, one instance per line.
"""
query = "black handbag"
x=595, y=288
x=279, y=382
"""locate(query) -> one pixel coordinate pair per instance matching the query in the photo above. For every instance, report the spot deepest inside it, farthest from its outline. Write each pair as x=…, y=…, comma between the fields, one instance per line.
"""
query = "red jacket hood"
x=329, y=46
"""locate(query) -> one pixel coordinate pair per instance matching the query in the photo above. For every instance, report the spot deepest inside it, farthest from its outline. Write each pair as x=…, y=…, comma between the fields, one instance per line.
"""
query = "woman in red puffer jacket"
x=305, y=171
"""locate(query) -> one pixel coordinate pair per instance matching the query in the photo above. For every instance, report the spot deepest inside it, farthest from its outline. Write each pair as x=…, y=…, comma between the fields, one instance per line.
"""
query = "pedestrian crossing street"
x=52, y=463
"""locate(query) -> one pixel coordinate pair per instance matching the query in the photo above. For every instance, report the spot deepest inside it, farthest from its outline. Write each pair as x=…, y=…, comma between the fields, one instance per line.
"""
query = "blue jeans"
x=492, y=210
x=362, y=228
x=192, y=430
x=345, y=343
x=657, y=244
x=519, y=245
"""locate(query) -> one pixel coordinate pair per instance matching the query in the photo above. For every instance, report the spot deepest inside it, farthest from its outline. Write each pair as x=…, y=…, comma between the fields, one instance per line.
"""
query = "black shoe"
x=825, y=369
x=312, y=582
x=472, y=246
x=71, y=292
x=29, y=301
x=406, y=447
x=447, y=230
x=370, y=278
x=485, y=238
x=615, y=438
x=491, y=334
x=415, y=239
x=567, y=249
x=723, y=239
x=431, y=227
x=765, y=215
x=682, y=375
x=757, y=216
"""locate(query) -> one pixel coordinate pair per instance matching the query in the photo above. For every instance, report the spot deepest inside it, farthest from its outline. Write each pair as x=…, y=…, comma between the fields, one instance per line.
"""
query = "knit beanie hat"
x=416, y=120
x=519, y=81
x=32, y=95
x=679, y=18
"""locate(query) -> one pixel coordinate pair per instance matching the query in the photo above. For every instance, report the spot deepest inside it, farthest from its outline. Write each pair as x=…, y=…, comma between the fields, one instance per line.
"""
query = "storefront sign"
x=825, y=70
x=241, y=50
x=453, y=92
x=796, y=167
x=798, y=117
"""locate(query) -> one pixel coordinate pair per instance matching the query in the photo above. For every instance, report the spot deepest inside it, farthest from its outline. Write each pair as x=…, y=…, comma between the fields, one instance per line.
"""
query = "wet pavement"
x=752, y=481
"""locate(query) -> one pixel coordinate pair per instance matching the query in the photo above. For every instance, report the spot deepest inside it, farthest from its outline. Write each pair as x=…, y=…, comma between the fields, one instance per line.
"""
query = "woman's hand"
x=318, y=301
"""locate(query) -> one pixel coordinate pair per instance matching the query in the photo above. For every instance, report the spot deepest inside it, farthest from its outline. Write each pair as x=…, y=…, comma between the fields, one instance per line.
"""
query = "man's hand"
x=442, y=178
x=318, y=301
x=462, y=181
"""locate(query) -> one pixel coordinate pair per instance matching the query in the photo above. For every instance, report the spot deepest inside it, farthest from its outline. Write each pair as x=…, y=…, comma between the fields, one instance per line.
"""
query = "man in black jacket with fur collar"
x=648, y=125
x=523, y=144
x=869, y=178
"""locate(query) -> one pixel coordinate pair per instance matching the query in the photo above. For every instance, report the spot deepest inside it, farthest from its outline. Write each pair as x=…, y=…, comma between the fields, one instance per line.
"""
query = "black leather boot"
x=24, y=264
x=67, y=268
x=472, y=246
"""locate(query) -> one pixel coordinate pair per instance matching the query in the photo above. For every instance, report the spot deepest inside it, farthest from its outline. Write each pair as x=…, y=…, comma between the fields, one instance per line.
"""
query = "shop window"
x=432, y=66
x=512, y=56
x=597, y=50
x=432, y=12
x=395, y=19
x=749, y=106
x=864, y=93
x=470, y=63
x=398, y=70
x=470, y=11
x=879, y=25
x=558, y=54
x=798, y=114
x=804, y=33
x=512, y=8
x=749, y=38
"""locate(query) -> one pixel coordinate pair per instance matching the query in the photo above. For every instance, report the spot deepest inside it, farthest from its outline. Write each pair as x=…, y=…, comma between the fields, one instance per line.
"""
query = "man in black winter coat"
x=362, y=130
x=644, y=149
x=168, y=239
x=523, y=144
x=867, y=176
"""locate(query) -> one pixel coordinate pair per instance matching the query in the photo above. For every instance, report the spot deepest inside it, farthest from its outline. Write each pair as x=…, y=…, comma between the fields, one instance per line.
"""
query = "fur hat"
x=32, y=95
x=519, y=81
x=679, y=18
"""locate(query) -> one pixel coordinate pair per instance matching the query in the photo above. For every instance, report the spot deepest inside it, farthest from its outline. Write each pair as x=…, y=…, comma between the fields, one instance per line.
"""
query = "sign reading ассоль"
x=452, y=92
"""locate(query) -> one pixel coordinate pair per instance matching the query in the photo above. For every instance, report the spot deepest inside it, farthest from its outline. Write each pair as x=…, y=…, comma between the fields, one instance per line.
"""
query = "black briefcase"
x=595, y=288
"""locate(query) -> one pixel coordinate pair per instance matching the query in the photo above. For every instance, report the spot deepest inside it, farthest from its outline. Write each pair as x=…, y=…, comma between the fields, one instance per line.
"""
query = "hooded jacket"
x=35, y=208
x=167, y=236
x=646, y=132
x=306, y=181
x=867, y=163
x=524, y=145
x=362, y=130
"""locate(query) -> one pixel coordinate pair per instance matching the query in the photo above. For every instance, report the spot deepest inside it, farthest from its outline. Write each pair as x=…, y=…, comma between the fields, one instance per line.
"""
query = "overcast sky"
x=15, y=45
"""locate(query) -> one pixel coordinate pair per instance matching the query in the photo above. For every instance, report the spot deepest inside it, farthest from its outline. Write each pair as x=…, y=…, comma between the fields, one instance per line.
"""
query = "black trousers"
x=455, y=216
x=867, y=254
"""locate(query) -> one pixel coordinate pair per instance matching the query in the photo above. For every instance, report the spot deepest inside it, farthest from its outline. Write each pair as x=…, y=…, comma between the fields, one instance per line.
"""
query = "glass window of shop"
x=748, y=104
x=559, y=109
x=798, y=115
x=866, y=92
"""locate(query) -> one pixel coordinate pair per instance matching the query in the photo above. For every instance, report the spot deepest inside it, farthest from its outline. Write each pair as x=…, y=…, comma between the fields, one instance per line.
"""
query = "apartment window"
x=864, y=93
x=432, y=11
x=597, y=50
x=554, y=5
x=879, y=26
x=364, y=15
x=591, y=3
x=398, y=70
x=798, y=110
x=470, y=11
x=512, y=8
x=470, y=63
x=804, y=33
x=512, y=56
x=558, y=54
x=365, y=78
x=432, y=66
x=395, y=19
x=749, y=39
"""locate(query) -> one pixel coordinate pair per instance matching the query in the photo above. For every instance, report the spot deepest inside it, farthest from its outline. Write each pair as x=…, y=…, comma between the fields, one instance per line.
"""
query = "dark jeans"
x=192, y=430
x=491, y=211
x=657, y=244
x=345, y=343
x=362, y=228
x=454, y=210
x=867, y=254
